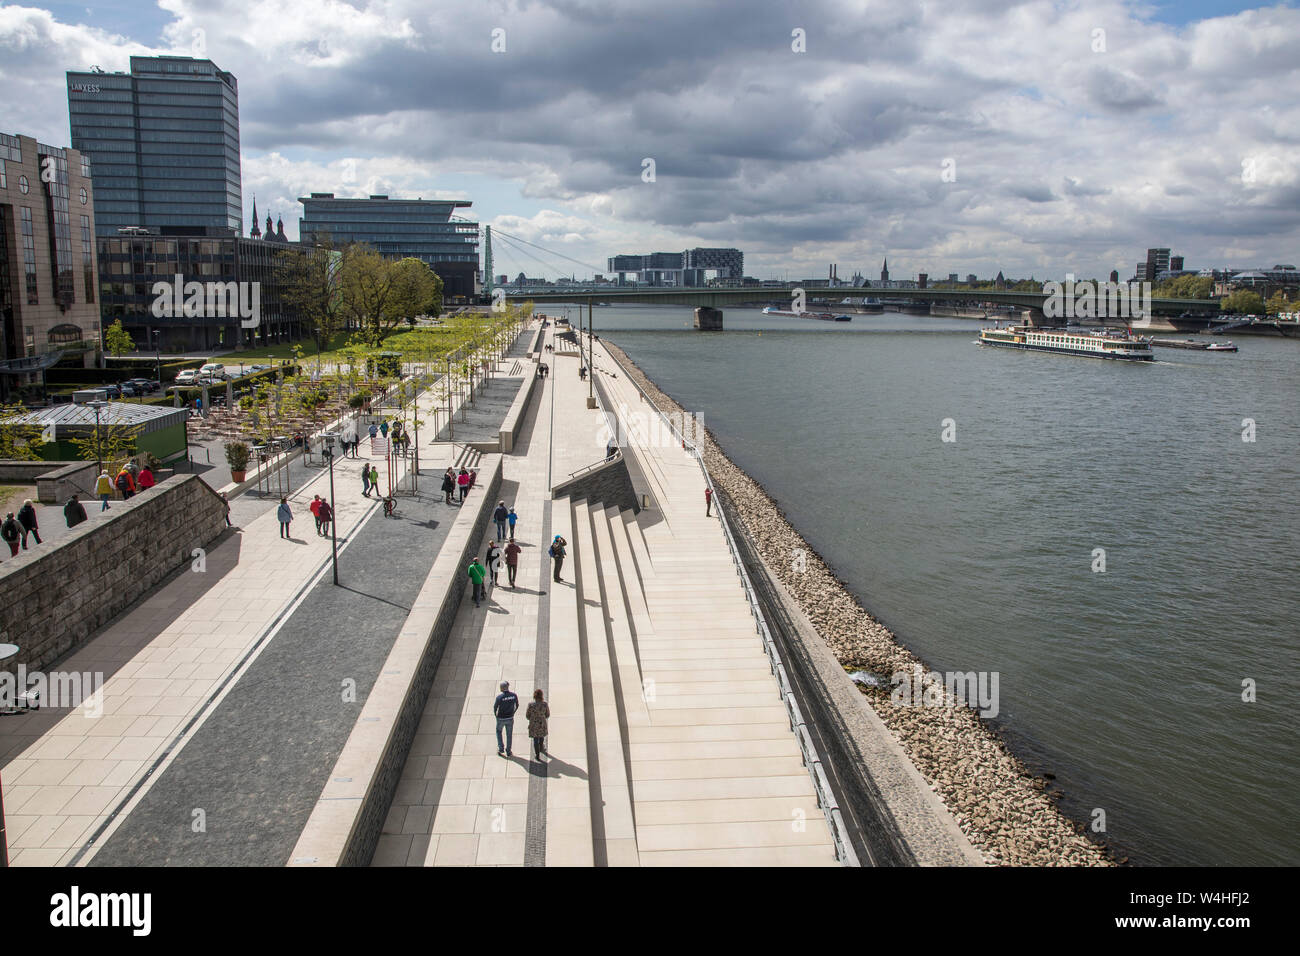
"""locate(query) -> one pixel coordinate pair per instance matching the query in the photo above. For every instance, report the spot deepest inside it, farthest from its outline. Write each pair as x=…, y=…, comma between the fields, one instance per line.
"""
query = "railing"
x=618, y=454
x=812, y=760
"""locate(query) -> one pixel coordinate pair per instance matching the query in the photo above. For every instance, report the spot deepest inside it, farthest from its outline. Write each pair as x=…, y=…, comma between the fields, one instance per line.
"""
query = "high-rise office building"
x=694, y=267
x=163, y=142
x=400, y=228
x=48, y=271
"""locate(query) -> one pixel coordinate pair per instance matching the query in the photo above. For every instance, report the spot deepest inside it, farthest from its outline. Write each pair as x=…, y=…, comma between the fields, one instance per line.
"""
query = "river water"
x=980, y=553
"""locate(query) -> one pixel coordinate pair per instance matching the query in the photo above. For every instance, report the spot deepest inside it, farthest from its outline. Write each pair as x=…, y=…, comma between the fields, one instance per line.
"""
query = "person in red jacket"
x=145, y=479
x=708, y=501
x=315, y=511
x=326, y=515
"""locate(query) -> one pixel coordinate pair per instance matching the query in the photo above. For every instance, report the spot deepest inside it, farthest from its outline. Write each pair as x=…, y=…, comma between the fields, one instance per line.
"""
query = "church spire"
x=255, y=233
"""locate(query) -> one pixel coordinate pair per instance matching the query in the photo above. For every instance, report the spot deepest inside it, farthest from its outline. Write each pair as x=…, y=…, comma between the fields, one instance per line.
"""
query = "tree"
x=118, y=340
x=312, y=286
x=417, y=290
x=1185, y=287
x=367, y=293
x=1242, y=302
x=113, y=442
x=18, y=442
x=1278, y=302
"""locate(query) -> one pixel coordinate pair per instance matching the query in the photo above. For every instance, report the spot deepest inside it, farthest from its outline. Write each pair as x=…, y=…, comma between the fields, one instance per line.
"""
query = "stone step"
x=568, y=799
x=613, y=827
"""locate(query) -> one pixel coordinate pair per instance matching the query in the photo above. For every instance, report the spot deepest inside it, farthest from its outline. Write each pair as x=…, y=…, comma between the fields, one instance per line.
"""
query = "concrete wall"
x=518, y=412
x=610, y=484
x=344, y=828
x=58, y=596
x=55, y=481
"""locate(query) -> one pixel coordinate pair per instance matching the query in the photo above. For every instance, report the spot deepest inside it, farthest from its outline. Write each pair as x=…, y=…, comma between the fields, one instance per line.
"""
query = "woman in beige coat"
x=537, y=713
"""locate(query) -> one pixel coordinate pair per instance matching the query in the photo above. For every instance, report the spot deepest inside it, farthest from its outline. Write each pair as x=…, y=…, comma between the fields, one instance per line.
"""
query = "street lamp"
x=329, y=438
x=98, y=406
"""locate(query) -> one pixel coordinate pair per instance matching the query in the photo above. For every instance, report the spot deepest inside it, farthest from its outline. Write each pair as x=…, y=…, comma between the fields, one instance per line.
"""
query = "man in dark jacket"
x=27, y=518
x=73, y=512
x=557, y=554
x=501, y=516
x=504, y=708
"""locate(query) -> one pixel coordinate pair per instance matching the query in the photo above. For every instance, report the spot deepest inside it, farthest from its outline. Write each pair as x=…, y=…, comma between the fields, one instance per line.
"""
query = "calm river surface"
x=978, y=553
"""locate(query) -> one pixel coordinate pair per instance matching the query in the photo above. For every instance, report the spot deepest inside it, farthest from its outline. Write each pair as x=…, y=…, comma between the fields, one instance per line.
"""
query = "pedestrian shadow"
x=551, y=767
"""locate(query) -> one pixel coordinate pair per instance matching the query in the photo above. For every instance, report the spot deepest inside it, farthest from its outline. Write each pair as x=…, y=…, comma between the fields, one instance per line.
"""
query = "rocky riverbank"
x=1009, y=814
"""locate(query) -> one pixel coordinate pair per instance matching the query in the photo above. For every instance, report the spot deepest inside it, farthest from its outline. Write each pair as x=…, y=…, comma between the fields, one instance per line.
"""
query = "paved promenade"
x=668, y=742
x=174, y=660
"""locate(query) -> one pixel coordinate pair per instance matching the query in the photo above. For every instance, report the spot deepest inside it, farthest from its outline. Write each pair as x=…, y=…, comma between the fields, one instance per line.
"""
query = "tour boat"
x=1221, y=347
x=1098, y=343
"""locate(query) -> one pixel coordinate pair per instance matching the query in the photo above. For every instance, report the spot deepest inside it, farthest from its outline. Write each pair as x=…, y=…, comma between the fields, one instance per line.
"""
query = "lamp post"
x=329, y=438
x=98, y=406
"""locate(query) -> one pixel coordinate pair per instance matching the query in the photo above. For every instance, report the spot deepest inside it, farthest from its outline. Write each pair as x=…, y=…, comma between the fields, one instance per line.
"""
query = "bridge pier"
x=708, y=320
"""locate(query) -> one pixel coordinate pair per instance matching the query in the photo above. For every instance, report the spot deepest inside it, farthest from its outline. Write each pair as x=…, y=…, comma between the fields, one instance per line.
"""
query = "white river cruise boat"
x=1090, y=343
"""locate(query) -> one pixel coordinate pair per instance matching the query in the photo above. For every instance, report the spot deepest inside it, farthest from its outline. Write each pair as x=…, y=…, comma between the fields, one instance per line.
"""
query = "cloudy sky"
x=1036, y=138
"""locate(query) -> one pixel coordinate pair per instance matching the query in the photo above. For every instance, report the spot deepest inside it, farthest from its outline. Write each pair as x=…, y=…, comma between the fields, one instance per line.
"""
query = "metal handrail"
x=617, y=456
x=812, y=760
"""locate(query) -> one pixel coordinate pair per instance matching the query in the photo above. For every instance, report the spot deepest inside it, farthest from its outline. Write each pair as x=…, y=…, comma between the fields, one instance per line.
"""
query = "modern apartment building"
x=48, y=270
x=694, y=267
x=422, y=229
x=163, y=141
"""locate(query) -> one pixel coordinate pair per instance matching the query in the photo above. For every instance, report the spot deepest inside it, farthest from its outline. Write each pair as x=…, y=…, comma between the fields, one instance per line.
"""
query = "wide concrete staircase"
x=690, y=759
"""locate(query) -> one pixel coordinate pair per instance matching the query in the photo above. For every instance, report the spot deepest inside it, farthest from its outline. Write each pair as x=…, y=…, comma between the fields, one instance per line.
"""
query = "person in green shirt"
x=477, y=573
x=374, y=479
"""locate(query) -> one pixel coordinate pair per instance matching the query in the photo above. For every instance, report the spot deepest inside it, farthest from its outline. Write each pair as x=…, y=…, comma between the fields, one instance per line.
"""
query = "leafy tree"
x=367, y=293
x=313, y=287
x=18, y=442
x=1278, y=302
x=115, y=442
x=417, y=290
x=118, y=340
x=1185, y=287
x=1243, y=302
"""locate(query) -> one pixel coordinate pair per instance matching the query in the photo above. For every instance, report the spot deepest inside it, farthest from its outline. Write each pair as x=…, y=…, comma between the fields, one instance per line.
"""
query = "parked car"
x=144, y=385
x=213, y=370
x=111, y=391
x=129, y=390
x=187, y=376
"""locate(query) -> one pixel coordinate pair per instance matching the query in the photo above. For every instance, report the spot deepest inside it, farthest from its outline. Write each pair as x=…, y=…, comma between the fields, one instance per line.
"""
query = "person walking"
x=27, y=518
x=325, y=516
x=125, y=483
x=512, y=560
x=103, y=488
x=145, y=478
x=708, y=501
x=285, y=514
x=12, y=533
x=383, y=428
x=448, y=484
x=373, y=431
x=315, y=511
x=512, y=518
x=225, y=500
x=538, y=712
x=477, y=573
x=557, y=554
x=501, y=516
x=73, y=512
x=503, y=708
x=374, y=481
x=493, y=561
x=365, y=480
x=462, y=481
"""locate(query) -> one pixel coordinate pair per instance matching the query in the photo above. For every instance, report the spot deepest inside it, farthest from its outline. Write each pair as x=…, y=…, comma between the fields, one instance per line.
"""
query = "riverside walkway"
x=222, y=703
x=668, y=741
x=226, y=701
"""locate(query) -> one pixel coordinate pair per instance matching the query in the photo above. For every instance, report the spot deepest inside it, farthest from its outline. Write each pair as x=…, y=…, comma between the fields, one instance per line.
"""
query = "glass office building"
x=400, y=228
x=163, y=142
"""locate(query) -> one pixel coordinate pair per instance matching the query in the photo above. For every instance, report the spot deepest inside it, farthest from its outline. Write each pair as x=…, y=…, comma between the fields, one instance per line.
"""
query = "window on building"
x=29, y=256
x=23, y=185
x=85, y=196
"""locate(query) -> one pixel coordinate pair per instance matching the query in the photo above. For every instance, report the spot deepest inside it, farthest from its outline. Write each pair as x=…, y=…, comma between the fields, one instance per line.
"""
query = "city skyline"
x=835, y=154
